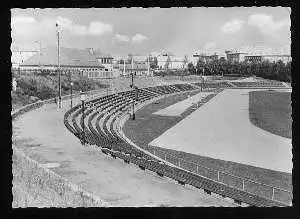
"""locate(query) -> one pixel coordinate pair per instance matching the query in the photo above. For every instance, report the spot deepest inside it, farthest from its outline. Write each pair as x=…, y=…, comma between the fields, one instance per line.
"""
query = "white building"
x=84, y=62
x=257, y=54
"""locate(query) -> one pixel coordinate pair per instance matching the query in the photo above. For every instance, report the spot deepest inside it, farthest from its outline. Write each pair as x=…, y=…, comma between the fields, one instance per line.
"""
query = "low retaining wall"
x=46, y=187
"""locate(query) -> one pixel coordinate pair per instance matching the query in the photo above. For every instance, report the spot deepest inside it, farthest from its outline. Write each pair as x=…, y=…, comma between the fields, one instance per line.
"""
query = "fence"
x=247, y=185
x=244, y=184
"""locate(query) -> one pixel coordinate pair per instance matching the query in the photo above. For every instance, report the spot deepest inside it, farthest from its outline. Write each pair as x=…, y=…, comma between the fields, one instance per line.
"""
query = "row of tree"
x=268, y=70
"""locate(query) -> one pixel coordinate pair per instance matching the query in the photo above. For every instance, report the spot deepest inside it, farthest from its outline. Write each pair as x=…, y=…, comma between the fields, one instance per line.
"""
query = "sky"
x=144, y=30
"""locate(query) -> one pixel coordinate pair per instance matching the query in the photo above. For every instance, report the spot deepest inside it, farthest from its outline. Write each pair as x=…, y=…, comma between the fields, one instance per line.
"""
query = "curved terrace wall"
x=121, y=119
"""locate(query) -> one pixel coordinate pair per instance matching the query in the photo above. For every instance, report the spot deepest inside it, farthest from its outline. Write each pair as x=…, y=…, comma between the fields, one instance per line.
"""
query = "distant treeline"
x=269, y=70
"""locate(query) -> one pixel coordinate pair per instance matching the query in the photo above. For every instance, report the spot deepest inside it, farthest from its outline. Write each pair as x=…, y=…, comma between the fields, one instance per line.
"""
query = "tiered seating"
x=184, y=87
x=258, y=84
x=161, y=90
x=99, y=130
x=210, y=85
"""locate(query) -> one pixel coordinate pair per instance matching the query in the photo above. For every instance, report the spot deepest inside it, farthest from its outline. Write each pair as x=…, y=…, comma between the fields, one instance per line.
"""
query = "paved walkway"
x=42, y=135
x=178, y=108
x=221, y=129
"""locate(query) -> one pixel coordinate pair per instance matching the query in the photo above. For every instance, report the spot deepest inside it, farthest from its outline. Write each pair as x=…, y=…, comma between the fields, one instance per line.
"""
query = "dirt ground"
x=42, y=135
x=178, y=108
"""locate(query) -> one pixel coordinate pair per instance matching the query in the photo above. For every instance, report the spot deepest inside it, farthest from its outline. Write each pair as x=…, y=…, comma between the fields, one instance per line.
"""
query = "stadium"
x=203, y=134
x=154, y=116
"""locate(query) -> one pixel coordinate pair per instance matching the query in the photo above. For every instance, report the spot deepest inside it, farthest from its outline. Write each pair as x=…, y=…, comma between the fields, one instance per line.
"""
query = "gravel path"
x=178, y=108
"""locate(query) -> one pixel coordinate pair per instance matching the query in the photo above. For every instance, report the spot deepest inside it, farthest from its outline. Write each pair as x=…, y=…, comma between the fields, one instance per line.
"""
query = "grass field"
x=148, y=126
x=271, y=111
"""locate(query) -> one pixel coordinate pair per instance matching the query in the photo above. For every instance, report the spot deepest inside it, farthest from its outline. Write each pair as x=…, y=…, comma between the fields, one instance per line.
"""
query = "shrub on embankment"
x=44, y=188
x=31, y=88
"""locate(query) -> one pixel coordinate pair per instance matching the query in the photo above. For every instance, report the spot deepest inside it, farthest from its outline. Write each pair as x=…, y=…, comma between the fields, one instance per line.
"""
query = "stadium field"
x=271, y=111
x=155, y=129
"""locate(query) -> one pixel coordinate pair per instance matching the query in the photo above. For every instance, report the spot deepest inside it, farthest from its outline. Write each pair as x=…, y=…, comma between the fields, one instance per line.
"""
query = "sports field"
x=196, y=136
x=221, y=129
x=271, y=111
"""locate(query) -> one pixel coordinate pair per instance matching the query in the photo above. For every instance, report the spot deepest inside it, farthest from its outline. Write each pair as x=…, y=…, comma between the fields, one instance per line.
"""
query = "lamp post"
x=133, y=101
x=82, y=98
x=202, y=79
x=71, y=93
x=58, y=68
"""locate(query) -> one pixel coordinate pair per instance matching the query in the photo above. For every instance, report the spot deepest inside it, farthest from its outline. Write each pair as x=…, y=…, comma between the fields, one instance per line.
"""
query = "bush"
x=45, y=92
x=28, y=86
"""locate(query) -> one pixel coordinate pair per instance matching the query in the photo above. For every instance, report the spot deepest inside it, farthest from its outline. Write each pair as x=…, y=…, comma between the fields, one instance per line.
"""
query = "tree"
x=191, y=68
x=130, y=57
x=168, y=61
x=154, y=63
x=199, y=66
x=185, y=61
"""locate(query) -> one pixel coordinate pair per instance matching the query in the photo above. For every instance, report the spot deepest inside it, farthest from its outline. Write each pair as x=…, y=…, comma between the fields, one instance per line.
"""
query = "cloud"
x=98, y=28
x=22, y=19
x=23, y=25
x=121, y=38
x=232, y=26
x=266, y=24
x=138, y=38
x=76, y=29
x=210, y=45
x=28, y=26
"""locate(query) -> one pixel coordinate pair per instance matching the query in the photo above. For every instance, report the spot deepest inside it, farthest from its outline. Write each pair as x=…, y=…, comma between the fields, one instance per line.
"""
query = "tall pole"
x=82, y=124
x=124, y=66
x=106, y=86
x=133, y=101
x=20, y=64
x=131, y=63
x=71, y=94
x=149, y=65
x=58, y=65
x=133, y=115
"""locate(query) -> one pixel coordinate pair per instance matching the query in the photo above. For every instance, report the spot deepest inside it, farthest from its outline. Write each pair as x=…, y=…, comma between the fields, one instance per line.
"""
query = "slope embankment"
x=37, y=186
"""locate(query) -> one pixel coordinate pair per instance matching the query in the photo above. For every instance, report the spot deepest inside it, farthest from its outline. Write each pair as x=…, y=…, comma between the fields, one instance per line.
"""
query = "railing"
x=247, y=185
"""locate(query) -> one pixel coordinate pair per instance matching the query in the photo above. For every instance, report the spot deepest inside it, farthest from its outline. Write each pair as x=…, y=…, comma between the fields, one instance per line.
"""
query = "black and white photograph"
x=151, y=107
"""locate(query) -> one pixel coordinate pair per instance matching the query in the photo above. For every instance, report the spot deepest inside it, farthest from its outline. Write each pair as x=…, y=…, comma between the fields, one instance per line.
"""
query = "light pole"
x=58, y=68
x=82, y=98
x=107, y=85
x=71, y=93
x=202, y=79
x=133, y=101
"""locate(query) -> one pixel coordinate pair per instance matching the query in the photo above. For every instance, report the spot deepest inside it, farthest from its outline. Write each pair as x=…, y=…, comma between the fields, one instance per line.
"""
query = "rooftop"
x=67, y=57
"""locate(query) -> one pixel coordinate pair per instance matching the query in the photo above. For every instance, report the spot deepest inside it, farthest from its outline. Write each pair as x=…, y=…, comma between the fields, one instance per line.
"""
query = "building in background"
x=167, y=60
x=253, y=58
x=235, y=56
x=207, y=58
x=137, y=64
x=258, y=54
x=106, y=61
x=82, y=61
x=276, y=58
